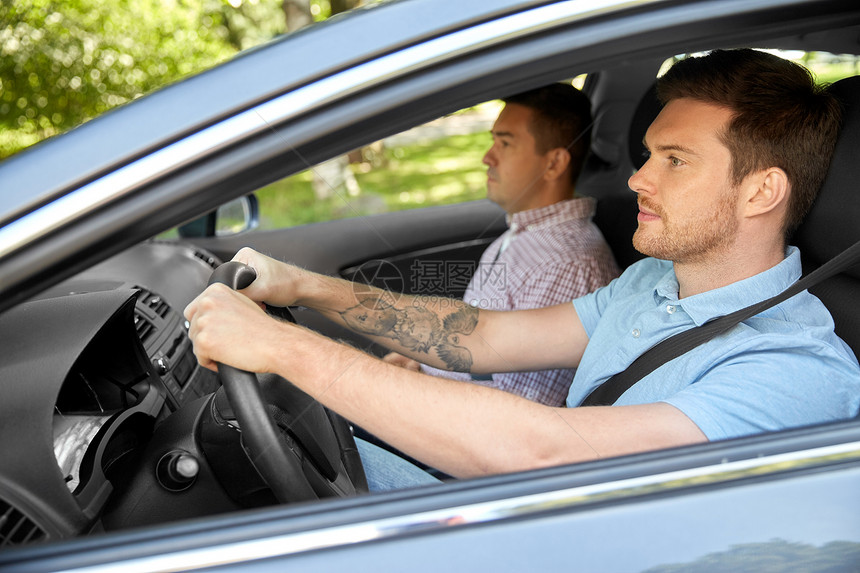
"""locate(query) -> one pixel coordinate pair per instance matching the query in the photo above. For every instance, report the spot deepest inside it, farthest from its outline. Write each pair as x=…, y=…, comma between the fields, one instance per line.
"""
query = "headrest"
x=646, y=112
x=832, y=224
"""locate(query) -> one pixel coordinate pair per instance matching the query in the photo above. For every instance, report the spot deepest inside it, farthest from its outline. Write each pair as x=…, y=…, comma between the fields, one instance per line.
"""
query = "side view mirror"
x=231, y=218
x=237, y=216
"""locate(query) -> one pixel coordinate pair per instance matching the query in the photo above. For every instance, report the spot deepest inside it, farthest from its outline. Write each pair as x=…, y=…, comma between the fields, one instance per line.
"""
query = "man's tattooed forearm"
x=416, y=328
x=463, y=321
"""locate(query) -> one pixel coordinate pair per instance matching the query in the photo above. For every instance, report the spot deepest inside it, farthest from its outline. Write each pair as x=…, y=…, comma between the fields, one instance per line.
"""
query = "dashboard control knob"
x=187, y=466
x=161, y=365
x=177, y=470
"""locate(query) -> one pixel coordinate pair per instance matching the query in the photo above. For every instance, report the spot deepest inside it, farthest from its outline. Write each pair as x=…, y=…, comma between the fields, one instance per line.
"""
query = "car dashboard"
x=90, y=368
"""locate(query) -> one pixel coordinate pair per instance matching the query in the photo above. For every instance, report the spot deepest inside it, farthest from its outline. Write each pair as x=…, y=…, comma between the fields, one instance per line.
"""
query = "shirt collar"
x=713, y=303
x=550, y=215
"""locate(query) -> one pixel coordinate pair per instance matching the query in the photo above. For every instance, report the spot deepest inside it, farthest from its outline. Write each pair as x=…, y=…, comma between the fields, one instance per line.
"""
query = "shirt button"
x=670, y=308
x=635, y=333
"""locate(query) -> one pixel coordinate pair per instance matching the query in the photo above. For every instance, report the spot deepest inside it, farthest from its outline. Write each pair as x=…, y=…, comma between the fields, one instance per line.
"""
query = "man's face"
x=515, y=168
x=687, y=204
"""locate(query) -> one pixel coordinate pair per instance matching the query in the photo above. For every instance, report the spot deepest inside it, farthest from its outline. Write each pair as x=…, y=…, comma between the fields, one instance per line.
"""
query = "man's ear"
x=558, y=161
x=768, y=191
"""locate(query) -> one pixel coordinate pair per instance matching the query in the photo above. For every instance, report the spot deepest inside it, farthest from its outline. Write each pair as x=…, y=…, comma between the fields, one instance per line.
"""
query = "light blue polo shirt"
x=782, y=368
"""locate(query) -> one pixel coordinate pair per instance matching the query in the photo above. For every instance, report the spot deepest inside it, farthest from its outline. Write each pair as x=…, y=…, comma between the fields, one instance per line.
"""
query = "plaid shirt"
x=548, y=256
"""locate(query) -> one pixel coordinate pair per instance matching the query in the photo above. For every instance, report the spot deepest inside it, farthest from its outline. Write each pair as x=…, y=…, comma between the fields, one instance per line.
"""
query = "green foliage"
x=62, y=63
x=248, y=23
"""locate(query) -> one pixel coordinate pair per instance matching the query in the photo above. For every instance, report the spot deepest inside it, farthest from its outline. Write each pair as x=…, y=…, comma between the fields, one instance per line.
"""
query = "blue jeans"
x=385, y=470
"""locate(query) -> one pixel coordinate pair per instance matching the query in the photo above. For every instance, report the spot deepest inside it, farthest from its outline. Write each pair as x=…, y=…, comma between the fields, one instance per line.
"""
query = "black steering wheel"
x=300, y=449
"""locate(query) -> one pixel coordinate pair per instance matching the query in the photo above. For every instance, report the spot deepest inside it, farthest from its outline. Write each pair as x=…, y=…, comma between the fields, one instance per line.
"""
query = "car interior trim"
x=83, y=201
x=487, y=512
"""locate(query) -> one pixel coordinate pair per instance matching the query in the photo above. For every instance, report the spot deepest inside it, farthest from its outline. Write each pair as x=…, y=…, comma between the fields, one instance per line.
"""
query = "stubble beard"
x=692, y=241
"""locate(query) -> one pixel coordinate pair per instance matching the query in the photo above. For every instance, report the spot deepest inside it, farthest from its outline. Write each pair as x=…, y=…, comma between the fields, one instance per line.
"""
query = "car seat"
x=832, y=224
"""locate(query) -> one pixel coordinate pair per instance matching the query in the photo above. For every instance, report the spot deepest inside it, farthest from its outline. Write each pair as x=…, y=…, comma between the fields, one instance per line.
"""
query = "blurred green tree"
x=62, y=63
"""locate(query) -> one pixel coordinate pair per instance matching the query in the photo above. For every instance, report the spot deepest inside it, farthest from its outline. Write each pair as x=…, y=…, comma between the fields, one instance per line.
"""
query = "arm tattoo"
x=416, y=328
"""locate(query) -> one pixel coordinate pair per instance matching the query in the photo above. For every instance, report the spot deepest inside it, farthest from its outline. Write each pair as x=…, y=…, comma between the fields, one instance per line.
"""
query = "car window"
x=437, y=163
x=433, y=164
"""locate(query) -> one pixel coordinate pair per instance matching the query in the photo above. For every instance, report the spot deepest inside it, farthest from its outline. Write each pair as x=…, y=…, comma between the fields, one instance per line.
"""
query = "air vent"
x=207, y=258
x=144, y=321
x=16, y=528
x=153, y=301
x=143, y=326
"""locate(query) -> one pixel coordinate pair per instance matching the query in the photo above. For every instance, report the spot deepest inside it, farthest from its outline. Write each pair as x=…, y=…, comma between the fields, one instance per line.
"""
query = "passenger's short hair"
x=562, y=118
x=781, y=117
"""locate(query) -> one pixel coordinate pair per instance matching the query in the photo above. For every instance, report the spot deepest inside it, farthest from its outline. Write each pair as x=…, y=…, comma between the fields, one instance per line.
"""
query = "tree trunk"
x=298, y=13
x=338, y=6
x=332, y=177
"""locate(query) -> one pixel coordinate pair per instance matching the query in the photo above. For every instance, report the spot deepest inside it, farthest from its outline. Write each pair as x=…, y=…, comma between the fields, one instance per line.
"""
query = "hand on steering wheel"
x=284, y=469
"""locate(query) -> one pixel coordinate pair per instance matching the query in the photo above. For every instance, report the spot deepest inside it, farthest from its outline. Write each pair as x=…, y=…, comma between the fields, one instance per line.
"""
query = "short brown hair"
x=562, y=118
x=781, y=118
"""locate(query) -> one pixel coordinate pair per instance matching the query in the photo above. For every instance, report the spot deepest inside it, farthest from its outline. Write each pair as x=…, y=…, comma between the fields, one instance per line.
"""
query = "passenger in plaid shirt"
x=552, y=252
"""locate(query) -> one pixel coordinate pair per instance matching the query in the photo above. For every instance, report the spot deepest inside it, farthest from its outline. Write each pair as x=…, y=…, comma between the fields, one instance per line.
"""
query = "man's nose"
x=640, y=182
x=489, y=157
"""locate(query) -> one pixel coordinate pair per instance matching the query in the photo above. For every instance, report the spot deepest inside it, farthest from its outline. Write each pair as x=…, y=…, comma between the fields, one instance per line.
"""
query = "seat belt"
x=607, y=393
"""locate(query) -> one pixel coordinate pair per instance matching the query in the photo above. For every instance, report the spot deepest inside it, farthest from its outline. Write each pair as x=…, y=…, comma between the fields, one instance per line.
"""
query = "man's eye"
x=676, y=162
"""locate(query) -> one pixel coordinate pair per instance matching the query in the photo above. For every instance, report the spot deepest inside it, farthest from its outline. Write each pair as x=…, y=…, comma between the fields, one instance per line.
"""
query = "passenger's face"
x=687, y=204
x=515, y=168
